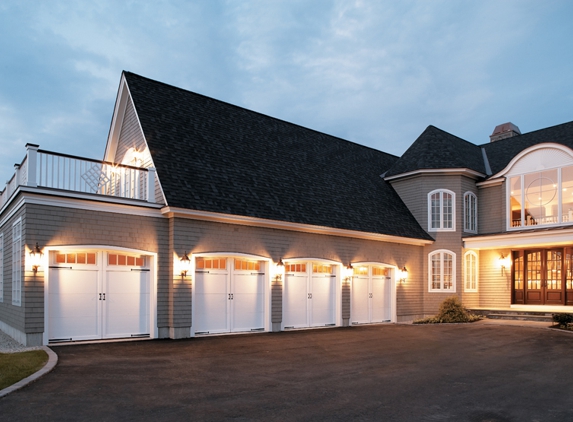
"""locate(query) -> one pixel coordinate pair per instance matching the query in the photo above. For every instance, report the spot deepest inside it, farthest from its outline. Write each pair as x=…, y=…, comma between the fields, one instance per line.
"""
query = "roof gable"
x=213, y=156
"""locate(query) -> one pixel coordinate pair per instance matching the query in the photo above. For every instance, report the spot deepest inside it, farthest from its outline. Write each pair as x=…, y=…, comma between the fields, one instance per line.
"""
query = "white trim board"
x=284, y=225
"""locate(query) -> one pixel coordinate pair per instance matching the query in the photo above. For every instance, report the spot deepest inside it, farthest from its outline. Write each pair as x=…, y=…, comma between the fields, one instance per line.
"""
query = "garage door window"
x=76, y=258
x=295, y=268
x=208, y=263
x=243, y=264
x=322, y=269
x=120, y=259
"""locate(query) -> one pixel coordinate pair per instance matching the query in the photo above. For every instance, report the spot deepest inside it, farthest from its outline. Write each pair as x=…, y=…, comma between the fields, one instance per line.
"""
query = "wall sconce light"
x=402, y=275
x=36, y=258
x=504, y=262
x=185, y=264
x=280, y=263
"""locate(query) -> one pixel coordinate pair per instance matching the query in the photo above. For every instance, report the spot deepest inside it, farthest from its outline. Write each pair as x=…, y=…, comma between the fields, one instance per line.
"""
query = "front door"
x=538, y=277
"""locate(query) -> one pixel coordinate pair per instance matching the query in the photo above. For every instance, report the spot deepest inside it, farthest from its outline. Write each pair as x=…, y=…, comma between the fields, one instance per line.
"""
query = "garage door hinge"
x=140, y=335
x=64, y=268
x=257, y=329
x=59, y=340
x=202, y=272
x=201, y=332
x=140, y=269
x=257, y=273
x=329, y=325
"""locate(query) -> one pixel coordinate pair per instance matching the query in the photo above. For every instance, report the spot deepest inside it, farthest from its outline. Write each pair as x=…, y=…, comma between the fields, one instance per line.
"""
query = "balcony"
x=46, y=169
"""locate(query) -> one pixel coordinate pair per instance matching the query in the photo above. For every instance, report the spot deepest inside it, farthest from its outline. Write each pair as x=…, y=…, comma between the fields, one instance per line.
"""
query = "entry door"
x=228, y=301
x=544, y=277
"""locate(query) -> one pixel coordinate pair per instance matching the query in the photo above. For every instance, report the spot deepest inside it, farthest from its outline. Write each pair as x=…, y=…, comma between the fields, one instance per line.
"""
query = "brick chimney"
x=506, y=130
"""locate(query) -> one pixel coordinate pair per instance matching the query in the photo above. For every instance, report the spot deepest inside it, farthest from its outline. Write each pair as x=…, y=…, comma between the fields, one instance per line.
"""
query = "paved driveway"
x=473, y=372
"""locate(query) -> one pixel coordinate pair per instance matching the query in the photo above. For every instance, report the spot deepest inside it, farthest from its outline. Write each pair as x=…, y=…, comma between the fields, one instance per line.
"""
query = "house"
x=204, y=217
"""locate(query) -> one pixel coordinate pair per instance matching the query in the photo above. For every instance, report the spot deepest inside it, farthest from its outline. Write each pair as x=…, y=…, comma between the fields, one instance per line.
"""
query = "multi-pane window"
x=1, y=267
x=470, y=212
x=441, y=214
x=442, y=271
x=17, y=263
x=470, y=271
x=541, y=198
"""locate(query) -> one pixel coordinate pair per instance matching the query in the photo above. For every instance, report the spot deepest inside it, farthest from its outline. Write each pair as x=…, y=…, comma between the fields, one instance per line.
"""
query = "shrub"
x=563, y=319
x=451, y=311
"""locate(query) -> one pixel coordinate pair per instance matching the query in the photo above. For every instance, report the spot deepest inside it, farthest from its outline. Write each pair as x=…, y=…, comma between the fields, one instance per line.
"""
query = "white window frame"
x=441, y=289
x=17, y=263
x=1, y=267
x=471, y=271
x=470, y=212
x=442, y=227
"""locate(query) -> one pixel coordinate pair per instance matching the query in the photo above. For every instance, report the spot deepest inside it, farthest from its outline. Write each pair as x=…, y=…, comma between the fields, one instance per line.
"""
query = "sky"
x=373, y=72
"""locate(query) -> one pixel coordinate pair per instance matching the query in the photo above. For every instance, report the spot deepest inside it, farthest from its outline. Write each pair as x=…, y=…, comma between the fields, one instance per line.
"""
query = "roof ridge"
x=259, y=113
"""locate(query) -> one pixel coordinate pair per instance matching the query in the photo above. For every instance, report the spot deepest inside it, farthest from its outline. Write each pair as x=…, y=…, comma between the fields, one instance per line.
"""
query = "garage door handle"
x=230, y=296
x=310, y=295
x=370, y=295
x=103, y=296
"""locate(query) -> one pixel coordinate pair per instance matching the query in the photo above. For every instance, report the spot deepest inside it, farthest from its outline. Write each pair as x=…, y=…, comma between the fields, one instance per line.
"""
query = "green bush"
x=451, y=311
x=563, y=319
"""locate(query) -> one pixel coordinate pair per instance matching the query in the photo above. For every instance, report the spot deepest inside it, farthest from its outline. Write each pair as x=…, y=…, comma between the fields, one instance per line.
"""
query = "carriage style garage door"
x=371, y=295
x=309, y=295
x=229, y=295
x=98, y=295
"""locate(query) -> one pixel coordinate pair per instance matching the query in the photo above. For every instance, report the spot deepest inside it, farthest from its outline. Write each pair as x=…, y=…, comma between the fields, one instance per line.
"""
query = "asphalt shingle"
x=214, y=156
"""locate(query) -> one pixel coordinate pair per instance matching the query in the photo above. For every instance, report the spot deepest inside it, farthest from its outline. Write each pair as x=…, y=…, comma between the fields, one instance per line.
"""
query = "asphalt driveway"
x=474, y=372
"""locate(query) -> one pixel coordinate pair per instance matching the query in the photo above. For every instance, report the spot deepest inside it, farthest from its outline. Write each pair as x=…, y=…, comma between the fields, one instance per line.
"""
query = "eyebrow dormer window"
x=441, y=210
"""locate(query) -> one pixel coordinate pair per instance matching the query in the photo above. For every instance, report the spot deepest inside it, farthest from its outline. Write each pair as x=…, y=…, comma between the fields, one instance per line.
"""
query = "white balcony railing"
x=52, y=170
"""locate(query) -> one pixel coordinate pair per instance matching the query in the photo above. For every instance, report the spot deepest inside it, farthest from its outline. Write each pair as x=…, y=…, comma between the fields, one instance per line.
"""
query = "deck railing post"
x=32, y=158
x=151, y=184
x=17, y=177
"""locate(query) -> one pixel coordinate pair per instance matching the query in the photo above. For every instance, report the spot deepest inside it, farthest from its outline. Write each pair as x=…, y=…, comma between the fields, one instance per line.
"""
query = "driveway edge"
x=51, y=364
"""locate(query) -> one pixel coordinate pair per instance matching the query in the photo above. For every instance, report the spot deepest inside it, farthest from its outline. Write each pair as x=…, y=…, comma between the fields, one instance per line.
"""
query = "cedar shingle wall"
x=414, y=192
x=131, y=137
x=10, y=314
x=196, y=236
x=491, y=209
x=53, y=226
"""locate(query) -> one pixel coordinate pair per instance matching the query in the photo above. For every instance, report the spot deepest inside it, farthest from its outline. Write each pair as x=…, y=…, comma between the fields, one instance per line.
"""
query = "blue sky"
x=373, y=72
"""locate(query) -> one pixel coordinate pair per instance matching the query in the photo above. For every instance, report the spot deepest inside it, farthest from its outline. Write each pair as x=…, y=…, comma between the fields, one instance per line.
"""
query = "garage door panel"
x=73, y=303
x=360, y=303
x=380, y=299
x=248, y=302
x=211, y=303
x=126, y=303
x=322, y=300
x=295, y=301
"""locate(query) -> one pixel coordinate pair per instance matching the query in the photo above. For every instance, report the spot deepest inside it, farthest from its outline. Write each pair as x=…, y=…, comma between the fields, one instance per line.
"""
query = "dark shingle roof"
x=500, y=153
x=436, y=149
x=213, y=156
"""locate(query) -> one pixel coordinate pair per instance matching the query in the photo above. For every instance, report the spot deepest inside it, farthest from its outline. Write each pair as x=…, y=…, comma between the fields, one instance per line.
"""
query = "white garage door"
x=229, y=295
x=309, y=295
x=371, y=295
x=98, y=295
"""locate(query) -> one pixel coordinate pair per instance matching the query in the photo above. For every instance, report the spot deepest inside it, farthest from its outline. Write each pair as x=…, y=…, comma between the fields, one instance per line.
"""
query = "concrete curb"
x=51, y=364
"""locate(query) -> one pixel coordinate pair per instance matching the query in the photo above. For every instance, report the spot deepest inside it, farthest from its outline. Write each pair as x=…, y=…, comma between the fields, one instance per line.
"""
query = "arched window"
x=470, y=212
x=441, y=210
x=442, y=271
x=470, y=271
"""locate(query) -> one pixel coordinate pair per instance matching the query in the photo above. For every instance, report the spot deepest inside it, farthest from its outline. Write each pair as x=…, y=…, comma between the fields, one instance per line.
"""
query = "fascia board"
x=438, y=172
x=283, y=225
x=58, y=198
x=520, y=240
